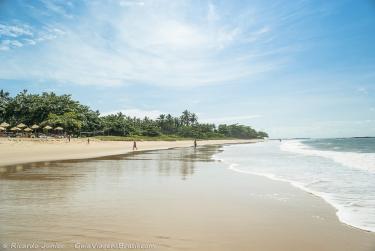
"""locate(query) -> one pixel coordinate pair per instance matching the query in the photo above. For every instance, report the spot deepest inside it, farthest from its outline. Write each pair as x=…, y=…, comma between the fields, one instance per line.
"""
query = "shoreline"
x=311, y=193
x=110, y=149
x=257, y=193
x=338, y=209
x=24, y=151
x=151, y=211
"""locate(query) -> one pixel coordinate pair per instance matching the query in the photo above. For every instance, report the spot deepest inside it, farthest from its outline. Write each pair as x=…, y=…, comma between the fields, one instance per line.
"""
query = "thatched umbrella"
x=35, y=127
x=47, y=128
x=59, y=129
x=4, y=124
x=2, y=128
x=15, y=129
x=28, y=130
x=22, y=125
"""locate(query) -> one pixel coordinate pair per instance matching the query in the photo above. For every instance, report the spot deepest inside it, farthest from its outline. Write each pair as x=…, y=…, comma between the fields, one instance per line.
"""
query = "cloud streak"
x=16, y=36
x=233, y=119
x=233, y=60
x=131, y=42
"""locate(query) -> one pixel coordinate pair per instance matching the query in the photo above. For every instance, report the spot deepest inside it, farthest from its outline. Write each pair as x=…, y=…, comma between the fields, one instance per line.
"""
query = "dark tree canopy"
x=61, y=110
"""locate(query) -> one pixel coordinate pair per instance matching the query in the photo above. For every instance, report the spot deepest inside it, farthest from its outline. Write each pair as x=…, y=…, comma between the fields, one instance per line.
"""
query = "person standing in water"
x=135, y=146
x=195, y=143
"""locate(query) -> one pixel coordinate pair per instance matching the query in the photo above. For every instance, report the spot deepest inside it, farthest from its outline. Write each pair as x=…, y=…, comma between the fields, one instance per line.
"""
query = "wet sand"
x=17, y=151
x=177, y=199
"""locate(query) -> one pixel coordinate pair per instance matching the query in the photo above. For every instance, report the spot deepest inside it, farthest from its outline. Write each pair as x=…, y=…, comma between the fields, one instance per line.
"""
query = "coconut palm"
x=193, y=118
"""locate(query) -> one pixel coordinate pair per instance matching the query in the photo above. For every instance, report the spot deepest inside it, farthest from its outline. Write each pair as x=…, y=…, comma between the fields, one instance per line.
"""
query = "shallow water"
x=341, y=171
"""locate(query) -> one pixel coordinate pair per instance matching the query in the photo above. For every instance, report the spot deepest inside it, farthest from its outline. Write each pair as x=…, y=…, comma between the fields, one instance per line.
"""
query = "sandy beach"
x=187, y=125
x=18, y=151
x=176, y=199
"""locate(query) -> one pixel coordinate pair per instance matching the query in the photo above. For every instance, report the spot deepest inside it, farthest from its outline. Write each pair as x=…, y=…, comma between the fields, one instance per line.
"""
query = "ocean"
x=341, y=171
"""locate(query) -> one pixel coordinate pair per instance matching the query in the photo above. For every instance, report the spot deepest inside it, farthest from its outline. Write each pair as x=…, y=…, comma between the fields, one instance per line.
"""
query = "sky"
x=291, y=68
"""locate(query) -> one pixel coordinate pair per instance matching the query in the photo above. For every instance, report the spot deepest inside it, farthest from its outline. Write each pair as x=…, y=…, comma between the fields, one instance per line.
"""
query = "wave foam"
x=343, y=213
x=363, y=161
x=354, y=203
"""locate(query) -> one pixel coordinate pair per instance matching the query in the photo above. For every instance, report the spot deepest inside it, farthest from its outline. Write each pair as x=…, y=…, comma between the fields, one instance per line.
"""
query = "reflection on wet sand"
x=177, y=199
x=181, y=159
x=91, y=200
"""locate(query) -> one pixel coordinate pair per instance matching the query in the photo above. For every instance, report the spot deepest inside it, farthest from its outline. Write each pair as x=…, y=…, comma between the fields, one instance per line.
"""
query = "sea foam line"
x=363, y=161
x=341, y=213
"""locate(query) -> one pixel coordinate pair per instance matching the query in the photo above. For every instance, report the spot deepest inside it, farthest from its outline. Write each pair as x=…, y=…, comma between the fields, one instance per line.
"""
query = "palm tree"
x=177, y=122
x=161, y=119
x=4, y=94
x=4, y=100
x=193, y=118
x=185, y=117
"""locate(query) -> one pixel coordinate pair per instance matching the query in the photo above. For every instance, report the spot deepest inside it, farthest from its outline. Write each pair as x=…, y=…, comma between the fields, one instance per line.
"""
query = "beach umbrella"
x=27, y=129
x=15, y=129
x=35, y=127
x=5, y=125
x=22, y=125
x=59, y=129
x=2, y=128
x=46, y=128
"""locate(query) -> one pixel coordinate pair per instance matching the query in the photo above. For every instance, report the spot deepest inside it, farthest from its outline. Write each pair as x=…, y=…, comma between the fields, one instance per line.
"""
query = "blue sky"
x=291, y=68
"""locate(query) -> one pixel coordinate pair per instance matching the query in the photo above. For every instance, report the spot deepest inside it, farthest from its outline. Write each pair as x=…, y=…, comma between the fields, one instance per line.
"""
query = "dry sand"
x=18, y=151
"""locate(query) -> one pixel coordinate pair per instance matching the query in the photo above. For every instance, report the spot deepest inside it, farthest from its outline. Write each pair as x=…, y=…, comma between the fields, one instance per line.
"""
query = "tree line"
x=61, y=110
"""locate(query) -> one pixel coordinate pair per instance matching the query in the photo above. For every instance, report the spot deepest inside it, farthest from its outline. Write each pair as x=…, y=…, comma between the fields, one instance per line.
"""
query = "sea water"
x=341, y=171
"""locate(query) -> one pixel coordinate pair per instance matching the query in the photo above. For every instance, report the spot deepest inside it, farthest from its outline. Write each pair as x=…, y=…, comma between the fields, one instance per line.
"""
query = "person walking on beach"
x=195, y=143
x=135, y=146
x=88, y=140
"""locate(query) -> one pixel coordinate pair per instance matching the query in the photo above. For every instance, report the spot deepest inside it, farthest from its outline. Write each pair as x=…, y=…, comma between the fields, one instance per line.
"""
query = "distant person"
x=280, y=140
x=69, y=137
x=135, y=146
x=88, y=140
x=195, y=143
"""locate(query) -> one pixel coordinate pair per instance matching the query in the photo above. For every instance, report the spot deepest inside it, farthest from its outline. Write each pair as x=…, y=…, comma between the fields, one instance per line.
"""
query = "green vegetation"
x=54, y=110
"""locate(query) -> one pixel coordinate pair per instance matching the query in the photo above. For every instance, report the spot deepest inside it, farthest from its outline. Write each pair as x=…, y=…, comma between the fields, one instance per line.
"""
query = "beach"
x=172, y=199
x=187, y=125
x=18, y=151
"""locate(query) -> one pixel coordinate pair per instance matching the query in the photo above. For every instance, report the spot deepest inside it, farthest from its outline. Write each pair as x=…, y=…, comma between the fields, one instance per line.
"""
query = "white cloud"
x=15, y=30
x=157, y=44
x=131, y=3
x=8, y=44
x=58, y=7
x=16, y=36
x=232, y=119
x=325, y=129
x=4, y=47
x=30, y=41
x=362, y=90
x=212, y=13
x=134, y=112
